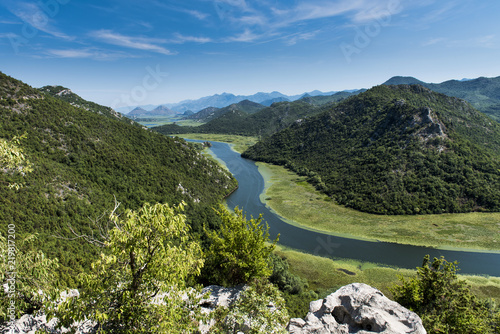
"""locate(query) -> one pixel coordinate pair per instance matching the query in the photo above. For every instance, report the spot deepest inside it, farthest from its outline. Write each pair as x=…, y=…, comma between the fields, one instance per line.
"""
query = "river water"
x=246, y=197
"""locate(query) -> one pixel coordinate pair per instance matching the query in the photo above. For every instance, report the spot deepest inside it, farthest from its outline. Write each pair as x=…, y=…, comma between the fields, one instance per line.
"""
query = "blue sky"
x=151, y=51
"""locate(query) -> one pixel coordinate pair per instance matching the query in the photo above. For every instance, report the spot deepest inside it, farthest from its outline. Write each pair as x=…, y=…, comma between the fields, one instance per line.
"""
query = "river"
x=246, y=197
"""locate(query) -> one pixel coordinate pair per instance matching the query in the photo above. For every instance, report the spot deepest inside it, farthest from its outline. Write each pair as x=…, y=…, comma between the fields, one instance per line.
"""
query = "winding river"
x=251, y=185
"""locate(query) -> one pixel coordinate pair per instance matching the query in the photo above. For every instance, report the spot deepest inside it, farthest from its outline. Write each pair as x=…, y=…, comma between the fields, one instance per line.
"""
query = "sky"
x=125, y=53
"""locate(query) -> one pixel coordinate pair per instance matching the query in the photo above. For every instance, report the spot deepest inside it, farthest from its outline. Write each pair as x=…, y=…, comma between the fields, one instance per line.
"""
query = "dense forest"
x=261, y=123
x=82, y=161
x=482, y=93
x=395, y=150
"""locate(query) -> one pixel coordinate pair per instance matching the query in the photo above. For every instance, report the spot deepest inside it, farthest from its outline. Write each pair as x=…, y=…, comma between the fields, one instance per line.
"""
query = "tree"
x=138, y=284
x=445, y=303
x=13, y=160
x=240, y=250
x=27, y=273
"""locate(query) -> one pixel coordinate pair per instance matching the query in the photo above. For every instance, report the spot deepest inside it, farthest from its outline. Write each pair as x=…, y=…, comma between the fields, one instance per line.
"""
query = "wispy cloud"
x=434, y=41
x=87, y=53
x=199, y=15
x=486, y=41
x=246, y=36
x=33, y=15
x=261, y=21
x=179, y=38
x=292, y=40
x=138, y=43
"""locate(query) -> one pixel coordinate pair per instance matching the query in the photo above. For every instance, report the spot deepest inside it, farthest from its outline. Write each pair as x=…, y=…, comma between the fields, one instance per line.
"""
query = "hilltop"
x=482, y=93
x=395, y=150
x=82, y=160
x=65, y=94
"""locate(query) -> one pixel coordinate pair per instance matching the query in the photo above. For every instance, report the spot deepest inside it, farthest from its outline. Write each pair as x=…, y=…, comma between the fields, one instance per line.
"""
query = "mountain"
x=261, y=123
x=399, y=80
x=138, y=111
x=82, y=161
x=268, y=103
x=162, y=111
x=208, y=114
x=203, y=115
x=158, y=111
x=65, y=94
x=395, y=150
x=482, y=93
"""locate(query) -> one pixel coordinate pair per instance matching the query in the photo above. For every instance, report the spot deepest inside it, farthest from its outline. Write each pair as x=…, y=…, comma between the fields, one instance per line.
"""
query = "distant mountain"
x=137, y=112
x=403, y=81
x=211, y=113
x=395, y=150
x=268, y=103
x=260, y=123
x=482, y=93
x=158, y=111
x=65, y=94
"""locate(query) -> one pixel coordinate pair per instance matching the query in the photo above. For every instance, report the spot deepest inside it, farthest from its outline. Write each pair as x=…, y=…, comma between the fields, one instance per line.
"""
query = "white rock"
x=357, y=308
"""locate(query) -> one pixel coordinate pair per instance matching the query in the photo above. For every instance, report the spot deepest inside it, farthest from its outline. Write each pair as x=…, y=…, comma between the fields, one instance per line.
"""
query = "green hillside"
x=211, y=113
x=261, y=123
x=395, y=150
x=65, y=94
x=482, y=93
x=82, y=160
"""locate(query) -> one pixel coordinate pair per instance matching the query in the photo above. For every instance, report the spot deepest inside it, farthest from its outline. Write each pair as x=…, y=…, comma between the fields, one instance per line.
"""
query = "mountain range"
x=251, y=119
x=224, y=100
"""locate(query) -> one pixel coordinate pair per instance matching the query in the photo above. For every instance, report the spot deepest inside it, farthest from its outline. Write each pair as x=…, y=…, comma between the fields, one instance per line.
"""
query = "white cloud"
x=246, y=36
x=199, y=15
x=139, y=43
x=87, y=53
x=179, y=38
x=292, y=40
x=33, y=15
x=434, y=41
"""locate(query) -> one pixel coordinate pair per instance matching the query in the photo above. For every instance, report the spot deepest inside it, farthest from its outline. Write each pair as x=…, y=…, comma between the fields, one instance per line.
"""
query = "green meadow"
x=287, y=194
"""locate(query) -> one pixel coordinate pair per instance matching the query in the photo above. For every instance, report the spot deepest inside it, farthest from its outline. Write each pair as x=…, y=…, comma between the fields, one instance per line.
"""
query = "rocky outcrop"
x=357, y=308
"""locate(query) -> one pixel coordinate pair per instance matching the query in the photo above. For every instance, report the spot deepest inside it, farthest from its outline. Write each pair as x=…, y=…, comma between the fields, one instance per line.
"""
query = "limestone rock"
x=357, y=308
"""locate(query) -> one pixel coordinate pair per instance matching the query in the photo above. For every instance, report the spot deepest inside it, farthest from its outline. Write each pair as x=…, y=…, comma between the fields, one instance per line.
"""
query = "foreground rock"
x=357, y=308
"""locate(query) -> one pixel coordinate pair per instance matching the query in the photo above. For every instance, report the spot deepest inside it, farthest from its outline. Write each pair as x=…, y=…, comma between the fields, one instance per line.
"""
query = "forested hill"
x=261, y=123
x=482, y=93
x=65, y=94
x=81, y=160
x=395, y=150
x=208, y=114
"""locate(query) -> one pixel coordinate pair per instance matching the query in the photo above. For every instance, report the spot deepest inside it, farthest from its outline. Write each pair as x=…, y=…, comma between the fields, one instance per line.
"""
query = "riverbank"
x=325, y=275
x=286, y=193
x=237, y=143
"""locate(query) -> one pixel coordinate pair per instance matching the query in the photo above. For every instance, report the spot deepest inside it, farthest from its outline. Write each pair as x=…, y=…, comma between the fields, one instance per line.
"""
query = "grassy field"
x=287, y=194
x=238, y=143
x=326, y=275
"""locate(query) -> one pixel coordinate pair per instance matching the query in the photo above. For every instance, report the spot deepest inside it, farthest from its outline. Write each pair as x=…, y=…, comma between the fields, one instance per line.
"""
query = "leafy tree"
x=28, y=275
x=137, y=285
x=239, y=251
x=12, y=158
x=445, y=303
x=260, y=309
